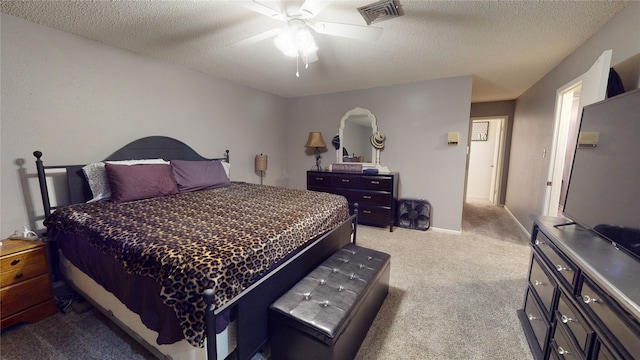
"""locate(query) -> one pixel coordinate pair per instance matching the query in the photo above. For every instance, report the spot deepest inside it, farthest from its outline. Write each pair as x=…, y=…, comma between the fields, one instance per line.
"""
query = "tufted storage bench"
x=328, y=313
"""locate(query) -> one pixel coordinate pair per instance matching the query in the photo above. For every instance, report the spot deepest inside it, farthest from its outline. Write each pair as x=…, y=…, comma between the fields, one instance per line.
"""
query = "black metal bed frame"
x=253, y=303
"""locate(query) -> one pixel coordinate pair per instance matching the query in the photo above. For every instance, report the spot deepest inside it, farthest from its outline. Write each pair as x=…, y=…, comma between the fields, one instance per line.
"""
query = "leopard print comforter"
x=224, y=239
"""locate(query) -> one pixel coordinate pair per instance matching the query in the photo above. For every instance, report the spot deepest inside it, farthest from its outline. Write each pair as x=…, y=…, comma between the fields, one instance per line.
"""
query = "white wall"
x=416, y=118
x=78, y=100
x=533, y=122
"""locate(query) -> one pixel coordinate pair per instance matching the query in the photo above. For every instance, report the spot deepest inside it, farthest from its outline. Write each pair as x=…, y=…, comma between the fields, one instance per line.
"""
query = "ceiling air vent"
x=380, y=11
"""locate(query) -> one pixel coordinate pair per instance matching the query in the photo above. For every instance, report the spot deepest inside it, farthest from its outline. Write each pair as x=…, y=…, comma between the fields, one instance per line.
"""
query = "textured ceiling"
x=506, y=46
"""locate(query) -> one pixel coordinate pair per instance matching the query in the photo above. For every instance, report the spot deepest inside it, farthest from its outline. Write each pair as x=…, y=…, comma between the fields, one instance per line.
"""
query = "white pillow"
x=97, y=176
x=227, y=168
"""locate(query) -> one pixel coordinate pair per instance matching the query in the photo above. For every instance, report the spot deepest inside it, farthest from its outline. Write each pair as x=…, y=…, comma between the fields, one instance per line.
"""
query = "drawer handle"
x=15, y=262
x=539, y=283
x=565, y=319
x=538, y=242
x=532, y=318
x=366, y=196
x=375, y=182
x=588, y=299
x=562, y=351
x=19, y=276
x=319, y=178
x=562, y=268
x=366, y=211
x=345, y=180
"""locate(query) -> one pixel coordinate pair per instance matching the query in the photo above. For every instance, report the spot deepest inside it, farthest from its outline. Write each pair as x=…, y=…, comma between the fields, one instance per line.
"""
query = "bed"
x=189, y=274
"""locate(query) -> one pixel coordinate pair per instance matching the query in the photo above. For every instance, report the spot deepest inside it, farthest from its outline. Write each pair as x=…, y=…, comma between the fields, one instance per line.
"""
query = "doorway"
x=588, y=88
x=486, y=154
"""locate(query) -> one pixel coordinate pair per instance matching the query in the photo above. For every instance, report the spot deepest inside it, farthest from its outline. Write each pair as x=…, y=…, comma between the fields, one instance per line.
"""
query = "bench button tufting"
x=323, y=281
x=335, y=270
x=325, y=303
x=307, y=296
x=341, y=288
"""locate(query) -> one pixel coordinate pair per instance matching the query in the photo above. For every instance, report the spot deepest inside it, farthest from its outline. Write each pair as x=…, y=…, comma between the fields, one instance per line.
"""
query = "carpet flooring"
x=451, y=297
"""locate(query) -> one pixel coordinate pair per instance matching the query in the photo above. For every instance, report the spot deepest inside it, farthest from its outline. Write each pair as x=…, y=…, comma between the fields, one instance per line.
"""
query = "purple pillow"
x=198, y=175
x=135, y=182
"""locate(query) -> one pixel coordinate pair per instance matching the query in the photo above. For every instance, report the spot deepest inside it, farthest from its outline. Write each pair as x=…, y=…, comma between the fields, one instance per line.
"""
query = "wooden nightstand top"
x=10, y=246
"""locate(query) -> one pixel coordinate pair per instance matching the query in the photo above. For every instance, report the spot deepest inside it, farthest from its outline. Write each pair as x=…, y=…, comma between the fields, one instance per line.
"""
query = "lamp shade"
x=315, y=140
x=261, y=162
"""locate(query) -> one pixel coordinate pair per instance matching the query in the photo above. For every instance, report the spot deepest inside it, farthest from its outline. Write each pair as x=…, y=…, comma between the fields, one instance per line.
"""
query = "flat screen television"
x=604, y=187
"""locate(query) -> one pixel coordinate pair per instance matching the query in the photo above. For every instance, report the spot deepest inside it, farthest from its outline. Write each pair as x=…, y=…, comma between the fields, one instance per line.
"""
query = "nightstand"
x=26, y=294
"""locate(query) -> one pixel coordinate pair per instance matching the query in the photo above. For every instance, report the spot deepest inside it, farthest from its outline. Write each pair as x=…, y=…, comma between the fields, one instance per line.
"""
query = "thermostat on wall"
x=453, y=138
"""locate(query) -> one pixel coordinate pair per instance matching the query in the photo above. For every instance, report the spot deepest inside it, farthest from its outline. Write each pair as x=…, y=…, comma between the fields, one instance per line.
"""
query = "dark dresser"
x=583, y=296
x=376, y=195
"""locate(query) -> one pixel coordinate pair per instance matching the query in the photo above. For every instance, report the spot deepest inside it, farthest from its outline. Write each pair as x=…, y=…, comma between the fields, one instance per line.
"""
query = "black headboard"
x=150, y=147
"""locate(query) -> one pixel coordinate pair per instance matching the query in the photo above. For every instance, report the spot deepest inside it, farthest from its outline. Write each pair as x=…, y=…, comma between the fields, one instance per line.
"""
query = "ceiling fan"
x=295, y=38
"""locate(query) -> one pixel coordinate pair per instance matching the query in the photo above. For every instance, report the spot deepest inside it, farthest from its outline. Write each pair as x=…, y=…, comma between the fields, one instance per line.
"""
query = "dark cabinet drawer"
x=563, y=347
x=543, y=286
x=377, y=183
x=574, y=324
x=370, y=197
x=603, y=353
x=564, y=269
x=374, y=214
x=624, y=331
x=318, y=180
x=537, y=321
x=348, y=181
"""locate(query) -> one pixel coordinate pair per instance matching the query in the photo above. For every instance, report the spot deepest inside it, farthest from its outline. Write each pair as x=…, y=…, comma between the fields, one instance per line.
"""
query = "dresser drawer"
x=564, y=269
x=603, y=353
x=605, y=310
x=537, y=320
x=370, y=197
x=318, y=180
x=346, y=181
x=574, y=324
x=374, y=214
x=382, y=183
x=563, y=347
x=543, y=286
x=26, y=294
x=22, y=266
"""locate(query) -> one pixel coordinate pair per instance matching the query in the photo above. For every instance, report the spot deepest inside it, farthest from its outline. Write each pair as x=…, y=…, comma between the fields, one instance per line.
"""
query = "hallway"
x=483, y=218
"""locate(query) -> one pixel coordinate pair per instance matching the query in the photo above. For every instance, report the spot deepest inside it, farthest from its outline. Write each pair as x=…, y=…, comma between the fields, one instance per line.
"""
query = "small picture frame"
x=480, y=131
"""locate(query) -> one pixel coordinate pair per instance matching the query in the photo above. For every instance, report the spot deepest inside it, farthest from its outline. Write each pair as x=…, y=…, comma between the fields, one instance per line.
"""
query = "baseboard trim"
x=446, y=231
x=524, y=230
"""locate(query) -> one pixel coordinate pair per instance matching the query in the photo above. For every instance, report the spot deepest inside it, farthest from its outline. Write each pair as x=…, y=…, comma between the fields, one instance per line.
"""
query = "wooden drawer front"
x=604, y=309
x=564, y=269
x=374, y=214
x=347, y=181
x=562, y=346
x=22, y=266
x=537, y=321
x=316, y=180
x=574, y=324
x=603, y=353
x=24, y=295
x=382, y=183
x=369, y=197
x=543, y=285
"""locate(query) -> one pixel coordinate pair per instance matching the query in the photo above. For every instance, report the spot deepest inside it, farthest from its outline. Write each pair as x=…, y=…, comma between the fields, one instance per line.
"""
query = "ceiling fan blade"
x=257, y=38
x=357, y=32
x=260, y=8
x=311, y=8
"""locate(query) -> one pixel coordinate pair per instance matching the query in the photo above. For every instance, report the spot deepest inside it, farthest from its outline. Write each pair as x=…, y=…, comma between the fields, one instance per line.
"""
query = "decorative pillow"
x=198, y=175
x=227, y=168
x=97, y=176
x=136, y=182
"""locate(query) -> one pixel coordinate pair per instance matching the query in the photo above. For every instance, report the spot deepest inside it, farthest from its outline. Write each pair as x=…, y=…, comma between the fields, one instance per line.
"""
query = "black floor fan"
x=414, y=214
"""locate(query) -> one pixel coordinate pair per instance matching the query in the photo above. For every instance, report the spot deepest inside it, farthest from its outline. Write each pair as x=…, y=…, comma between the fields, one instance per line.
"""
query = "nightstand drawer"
x=22, y=266
x=369, y=197
x=26, y=294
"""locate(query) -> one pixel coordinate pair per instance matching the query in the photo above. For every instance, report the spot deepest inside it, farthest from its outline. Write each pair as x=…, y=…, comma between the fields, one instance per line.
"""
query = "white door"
x=593, y=88
x=484, y=159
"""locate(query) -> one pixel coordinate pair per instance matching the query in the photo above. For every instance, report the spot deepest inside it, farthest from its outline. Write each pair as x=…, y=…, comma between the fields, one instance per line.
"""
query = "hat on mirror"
x=377, y=140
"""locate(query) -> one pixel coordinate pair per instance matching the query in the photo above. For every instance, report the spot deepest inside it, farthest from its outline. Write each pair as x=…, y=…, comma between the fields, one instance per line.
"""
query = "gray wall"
x=77, y=101
x=533, y=122
x=416, y=118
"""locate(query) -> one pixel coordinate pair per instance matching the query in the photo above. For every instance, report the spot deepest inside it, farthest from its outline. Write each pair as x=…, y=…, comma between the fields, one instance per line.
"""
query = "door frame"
x=498, y=157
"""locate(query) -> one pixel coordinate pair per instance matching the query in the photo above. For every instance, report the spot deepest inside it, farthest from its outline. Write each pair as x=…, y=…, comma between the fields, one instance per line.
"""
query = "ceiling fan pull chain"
x=297, y=61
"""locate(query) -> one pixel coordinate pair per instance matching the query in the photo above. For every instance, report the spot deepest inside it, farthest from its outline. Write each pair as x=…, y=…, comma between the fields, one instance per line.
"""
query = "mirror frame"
x=375, y=153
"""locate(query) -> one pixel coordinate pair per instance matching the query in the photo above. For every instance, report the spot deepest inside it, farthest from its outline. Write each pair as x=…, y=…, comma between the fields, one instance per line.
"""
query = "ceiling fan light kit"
x=295, y=38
